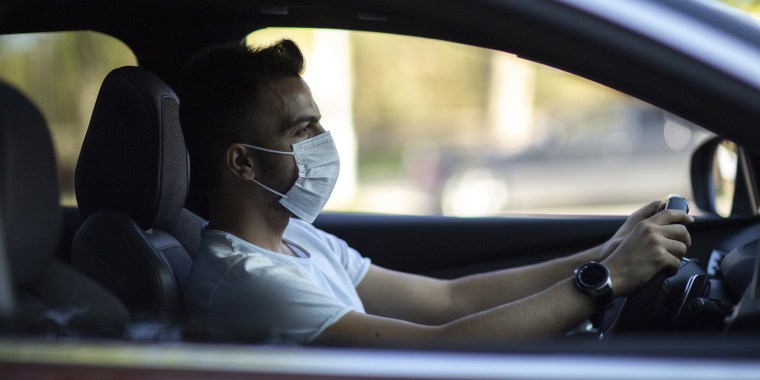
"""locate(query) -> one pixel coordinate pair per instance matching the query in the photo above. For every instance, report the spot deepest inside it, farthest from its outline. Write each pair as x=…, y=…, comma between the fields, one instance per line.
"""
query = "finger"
x=672, y=216
x=675, y=249
x=637, y=216
x=667, y=260
x=652, y=206
x=672, y=264
x=645, y=211
x=676, y=232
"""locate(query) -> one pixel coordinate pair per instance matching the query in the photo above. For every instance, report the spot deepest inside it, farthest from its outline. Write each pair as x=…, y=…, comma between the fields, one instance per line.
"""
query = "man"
x=256, y=143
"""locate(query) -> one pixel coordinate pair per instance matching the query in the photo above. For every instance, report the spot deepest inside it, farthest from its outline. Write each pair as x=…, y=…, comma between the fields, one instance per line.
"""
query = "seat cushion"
x=145, y=269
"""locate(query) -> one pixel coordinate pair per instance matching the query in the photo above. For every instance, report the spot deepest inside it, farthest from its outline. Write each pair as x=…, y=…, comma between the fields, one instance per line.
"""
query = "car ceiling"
x=163, y=34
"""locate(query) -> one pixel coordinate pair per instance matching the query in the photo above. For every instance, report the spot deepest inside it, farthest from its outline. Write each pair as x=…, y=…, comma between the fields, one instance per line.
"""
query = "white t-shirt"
x=241, y=291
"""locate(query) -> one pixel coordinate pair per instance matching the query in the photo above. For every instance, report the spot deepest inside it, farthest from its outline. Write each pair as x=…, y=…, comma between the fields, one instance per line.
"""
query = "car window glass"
x=431, y=127
x=61, y=73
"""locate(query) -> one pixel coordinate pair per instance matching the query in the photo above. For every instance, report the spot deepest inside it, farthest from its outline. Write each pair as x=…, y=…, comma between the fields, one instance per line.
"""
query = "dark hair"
x=218, y=91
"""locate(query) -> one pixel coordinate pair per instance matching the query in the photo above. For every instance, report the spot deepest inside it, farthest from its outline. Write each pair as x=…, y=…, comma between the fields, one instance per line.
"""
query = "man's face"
x=287, y=114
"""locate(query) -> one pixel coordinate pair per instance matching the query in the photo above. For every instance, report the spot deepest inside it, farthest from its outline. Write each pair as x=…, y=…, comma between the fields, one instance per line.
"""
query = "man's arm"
x=431, y=301
x=513, y=284
x=544, y=315
x=410, y=308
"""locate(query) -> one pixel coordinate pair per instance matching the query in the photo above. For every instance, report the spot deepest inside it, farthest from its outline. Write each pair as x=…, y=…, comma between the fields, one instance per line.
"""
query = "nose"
x=319, y=130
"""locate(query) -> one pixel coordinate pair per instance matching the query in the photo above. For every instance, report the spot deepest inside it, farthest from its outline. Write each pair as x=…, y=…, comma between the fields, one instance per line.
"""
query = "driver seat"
x=131, y=184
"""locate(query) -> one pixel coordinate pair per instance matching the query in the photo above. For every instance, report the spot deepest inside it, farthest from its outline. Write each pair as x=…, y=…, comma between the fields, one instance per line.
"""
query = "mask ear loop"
x=267, y=150
x=269, y=188
x=273, y=191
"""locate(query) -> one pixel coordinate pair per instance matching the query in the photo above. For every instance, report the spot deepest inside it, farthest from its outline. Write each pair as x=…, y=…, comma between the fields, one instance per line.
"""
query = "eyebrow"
x=302, y=119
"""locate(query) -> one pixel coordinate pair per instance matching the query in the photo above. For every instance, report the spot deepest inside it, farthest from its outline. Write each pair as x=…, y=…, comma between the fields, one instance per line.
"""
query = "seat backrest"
x=47, y=295
x=131, y=183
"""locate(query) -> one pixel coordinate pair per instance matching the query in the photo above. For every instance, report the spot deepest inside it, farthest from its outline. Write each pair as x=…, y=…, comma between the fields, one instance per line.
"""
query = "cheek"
x=289, y=170
x=281, y=171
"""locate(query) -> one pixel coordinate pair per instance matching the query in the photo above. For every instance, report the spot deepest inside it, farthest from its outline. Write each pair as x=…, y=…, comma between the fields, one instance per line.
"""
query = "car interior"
x=114, y=265
x=45, y=294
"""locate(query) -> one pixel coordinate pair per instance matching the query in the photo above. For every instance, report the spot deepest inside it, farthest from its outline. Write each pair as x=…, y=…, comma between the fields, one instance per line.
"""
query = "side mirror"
x=715, y=177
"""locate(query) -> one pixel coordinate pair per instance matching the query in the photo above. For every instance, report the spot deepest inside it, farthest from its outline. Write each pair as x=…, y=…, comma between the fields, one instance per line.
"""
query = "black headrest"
x=133, y=158
x=29, y=187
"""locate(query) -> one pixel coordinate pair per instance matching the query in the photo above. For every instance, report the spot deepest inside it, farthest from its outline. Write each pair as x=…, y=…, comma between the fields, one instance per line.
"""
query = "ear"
x=240, y=162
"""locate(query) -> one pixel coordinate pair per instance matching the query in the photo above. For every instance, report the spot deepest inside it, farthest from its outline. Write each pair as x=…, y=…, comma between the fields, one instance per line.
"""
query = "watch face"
x=593, y=275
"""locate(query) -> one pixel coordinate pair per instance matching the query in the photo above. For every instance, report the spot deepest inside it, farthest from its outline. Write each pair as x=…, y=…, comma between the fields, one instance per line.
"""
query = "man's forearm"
x=544, y=315
x=479, y=292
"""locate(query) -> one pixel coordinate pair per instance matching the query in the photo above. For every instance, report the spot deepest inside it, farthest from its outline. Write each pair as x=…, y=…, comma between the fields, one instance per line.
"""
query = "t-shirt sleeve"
x=271, y=303
x=356, y=265
x=351, y=260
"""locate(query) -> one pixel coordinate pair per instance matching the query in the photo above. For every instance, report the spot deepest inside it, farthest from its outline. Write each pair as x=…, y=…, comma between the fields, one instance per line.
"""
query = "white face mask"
x=318, y=167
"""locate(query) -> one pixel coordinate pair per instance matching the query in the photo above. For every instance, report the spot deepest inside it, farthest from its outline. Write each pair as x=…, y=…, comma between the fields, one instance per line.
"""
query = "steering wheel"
x=655, y=306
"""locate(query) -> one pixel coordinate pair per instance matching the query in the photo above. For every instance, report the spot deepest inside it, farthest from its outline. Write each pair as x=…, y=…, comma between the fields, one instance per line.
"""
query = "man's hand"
x=646, y=246
x=611, y=245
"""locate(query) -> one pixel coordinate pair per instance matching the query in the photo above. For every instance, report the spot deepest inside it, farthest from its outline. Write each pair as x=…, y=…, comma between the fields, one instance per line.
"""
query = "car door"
x=449, y=247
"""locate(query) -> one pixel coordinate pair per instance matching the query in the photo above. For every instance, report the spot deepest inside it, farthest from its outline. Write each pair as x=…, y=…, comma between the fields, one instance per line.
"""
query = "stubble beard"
x=273, y=202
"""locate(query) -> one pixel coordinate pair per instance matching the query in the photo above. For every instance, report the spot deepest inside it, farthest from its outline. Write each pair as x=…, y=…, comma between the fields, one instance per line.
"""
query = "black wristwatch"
x=594, y=279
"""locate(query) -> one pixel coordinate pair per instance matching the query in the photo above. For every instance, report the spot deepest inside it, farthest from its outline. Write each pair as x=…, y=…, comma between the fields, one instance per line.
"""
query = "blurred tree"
x=416, y=86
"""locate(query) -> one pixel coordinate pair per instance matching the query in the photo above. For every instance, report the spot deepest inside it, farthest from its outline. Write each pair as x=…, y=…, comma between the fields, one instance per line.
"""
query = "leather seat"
x=39, y=293
x=131, y=184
